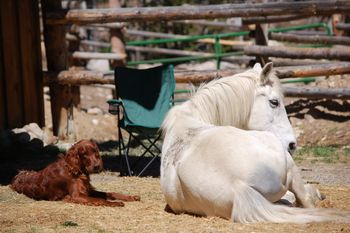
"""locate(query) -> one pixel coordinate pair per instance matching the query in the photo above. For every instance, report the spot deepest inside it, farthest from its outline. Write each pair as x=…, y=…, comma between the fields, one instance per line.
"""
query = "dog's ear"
x=74, y=161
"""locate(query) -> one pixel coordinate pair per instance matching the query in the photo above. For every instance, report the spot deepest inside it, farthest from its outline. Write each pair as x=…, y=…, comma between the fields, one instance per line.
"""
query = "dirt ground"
x=316, y=122
x=21, y=214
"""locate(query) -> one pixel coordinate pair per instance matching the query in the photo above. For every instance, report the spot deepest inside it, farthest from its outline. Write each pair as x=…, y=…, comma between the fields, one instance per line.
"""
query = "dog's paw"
x=117, y=204
x=135, y=198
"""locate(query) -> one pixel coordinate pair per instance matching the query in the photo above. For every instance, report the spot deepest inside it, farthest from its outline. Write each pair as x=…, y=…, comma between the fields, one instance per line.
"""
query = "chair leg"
x=126, y=156
x=123, y=152
x=147, y=149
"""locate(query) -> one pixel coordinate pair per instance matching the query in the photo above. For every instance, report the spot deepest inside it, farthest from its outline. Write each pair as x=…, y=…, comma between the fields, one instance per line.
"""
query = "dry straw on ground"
x=21, y=214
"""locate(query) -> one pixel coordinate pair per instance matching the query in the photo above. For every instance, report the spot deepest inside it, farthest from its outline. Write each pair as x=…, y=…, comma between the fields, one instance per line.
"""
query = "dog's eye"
x=274, y=103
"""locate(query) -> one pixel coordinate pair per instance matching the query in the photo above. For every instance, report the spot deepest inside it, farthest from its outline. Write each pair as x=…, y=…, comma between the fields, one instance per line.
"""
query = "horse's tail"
x=250, y=206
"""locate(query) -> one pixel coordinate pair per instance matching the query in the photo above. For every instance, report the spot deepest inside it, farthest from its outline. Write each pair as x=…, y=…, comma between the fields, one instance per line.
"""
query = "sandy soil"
x=21, y=214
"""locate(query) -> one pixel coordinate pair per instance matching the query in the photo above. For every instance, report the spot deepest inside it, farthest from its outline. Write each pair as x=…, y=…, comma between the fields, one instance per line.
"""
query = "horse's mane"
x=224, y=101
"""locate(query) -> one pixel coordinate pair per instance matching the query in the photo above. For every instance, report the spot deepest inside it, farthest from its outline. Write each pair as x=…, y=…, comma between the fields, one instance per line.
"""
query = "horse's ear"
x=265, y=73
x=257, y=67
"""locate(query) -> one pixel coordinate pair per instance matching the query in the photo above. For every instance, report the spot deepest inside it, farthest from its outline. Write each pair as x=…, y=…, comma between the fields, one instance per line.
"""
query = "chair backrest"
x=146, y=94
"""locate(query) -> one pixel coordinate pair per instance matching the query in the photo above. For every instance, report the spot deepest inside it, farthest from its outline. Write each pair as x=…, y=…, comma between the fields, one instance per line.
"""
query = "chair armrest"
x=114, y=105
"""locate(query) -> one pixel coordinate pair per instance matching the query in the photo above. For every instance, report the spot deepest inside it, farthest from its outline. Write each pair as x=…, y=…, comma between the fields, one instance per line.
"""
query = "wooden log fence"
x=245, y=21
x=176, y=36
x=316, y=39
x=178, y=52
x=96, y=55
x=343, y=26
x=317, y=93
x=342, y=54
x=213, y=23
x=151, y=14
x=313, y=70
x=60, y=81
x=273, y=19
x=84, y=77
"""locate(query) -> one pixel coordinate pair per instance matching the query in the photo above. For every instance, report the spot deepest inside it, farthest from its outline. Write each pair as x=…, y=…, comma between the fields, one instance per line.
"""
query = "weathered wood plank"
x=317, y=93
x=96, y=55
x=3, y=108
x=315, y=39
x=31, y=61
x=12, y=64
x=89, y=77
x=260, y=34
x=84, y=77
x=273, y=19
x=342, y=54
x=343, y=26
x=313, y=70
x=200, y=12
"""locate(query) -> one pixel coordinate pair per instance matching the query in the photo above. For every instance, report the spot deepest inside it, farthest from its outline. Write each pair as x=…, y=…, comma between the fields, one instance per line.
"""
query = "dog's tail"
x=250, y=206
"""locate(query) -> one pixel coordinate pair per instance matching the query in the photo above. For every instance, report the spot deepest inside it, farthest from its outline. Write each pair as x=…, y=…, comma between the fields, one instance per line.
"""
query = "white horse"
x=226, y=153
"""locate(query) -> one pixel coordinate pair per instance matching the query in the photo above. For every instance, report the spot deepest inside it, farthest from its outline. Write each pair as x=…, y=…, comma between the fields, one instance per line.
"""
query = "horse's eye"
x=274, y=103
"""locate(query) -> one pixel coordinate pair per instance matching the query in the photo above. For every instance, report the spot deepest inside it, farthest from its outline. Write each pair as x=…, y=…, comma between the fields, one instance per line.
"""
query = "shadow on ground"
x=26, y=154
x=114, y=162
x=320, y=109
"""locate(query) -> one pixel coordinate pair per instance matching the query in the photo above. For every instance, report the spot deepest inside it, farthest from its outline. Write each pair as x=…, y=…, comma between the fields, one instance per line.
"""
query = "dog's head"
x=85, y=156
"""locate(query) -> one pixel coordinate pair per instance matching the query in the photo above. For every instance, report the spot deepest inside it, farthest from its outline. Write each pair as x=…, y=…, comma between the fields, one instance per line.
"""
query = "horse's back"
x=218, y=156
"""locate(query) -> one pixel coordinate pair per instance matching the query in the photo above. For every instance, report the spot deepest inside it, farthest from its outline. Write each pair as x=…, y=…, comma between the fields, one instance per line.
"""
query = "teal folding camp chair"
x=143, y=99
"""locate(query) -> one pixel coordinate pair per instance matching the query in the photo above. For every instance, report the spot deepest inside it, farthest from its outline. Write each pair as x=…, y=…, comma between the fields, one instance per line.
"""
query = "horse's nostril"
x=292, y=146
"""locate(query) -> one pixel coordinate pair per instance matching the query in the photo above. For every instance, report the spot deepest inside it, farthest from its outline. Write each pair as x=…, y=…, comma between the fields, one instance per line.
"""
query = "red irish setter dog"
x=68, y=179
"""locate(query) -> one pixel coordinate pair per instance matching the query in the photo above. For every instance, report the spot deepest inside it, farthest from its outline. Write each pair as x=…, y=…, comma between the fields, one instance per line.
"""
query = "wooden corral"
x=21, y=75
x=21, y=92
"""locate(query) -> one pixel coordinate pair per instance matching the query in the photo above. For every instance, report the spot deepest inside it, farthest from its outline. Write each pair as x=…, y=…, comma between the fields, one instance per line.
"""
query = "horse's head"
x=268, y=112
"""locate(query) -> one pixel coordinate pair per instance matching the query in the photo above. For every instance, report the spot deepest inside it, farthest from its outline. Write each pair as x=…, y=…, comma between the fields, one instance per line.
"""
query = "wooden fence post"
x=56, y=52
x=261, y=39
x=117, y=39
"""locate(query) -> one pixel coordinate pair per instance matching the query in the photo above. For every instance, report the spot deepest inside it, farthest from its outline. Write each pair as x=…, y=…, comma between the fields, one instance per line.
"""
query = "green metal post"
x=218, y=52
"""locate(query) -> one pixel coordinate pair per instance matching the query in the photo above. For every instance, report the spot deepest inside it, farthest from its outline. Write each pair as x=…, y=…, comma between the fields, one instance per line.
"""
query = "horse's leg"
x=305, y=194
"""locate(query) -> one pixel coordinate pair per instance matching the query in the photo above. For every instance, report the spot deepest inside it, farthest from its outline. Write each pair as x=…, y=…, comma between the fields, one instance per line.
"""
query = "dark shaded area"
x=116, y=163
x=20, y=153
x=303, y=107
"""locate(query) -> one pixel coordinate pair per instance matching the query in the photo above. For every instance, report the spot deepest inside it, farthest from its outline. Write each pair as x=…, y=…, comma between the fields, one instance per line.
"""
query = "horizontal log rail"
x=343, y=26
x=317, y=93
x=83, y=77
x=245, y=21
x=96, y=55
x=316, y=39
x=212, y=23
x=205, y=38
x=143, y=14
x=342, y=54
x=272, y=19
x=313, y=70
x=178, y=52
